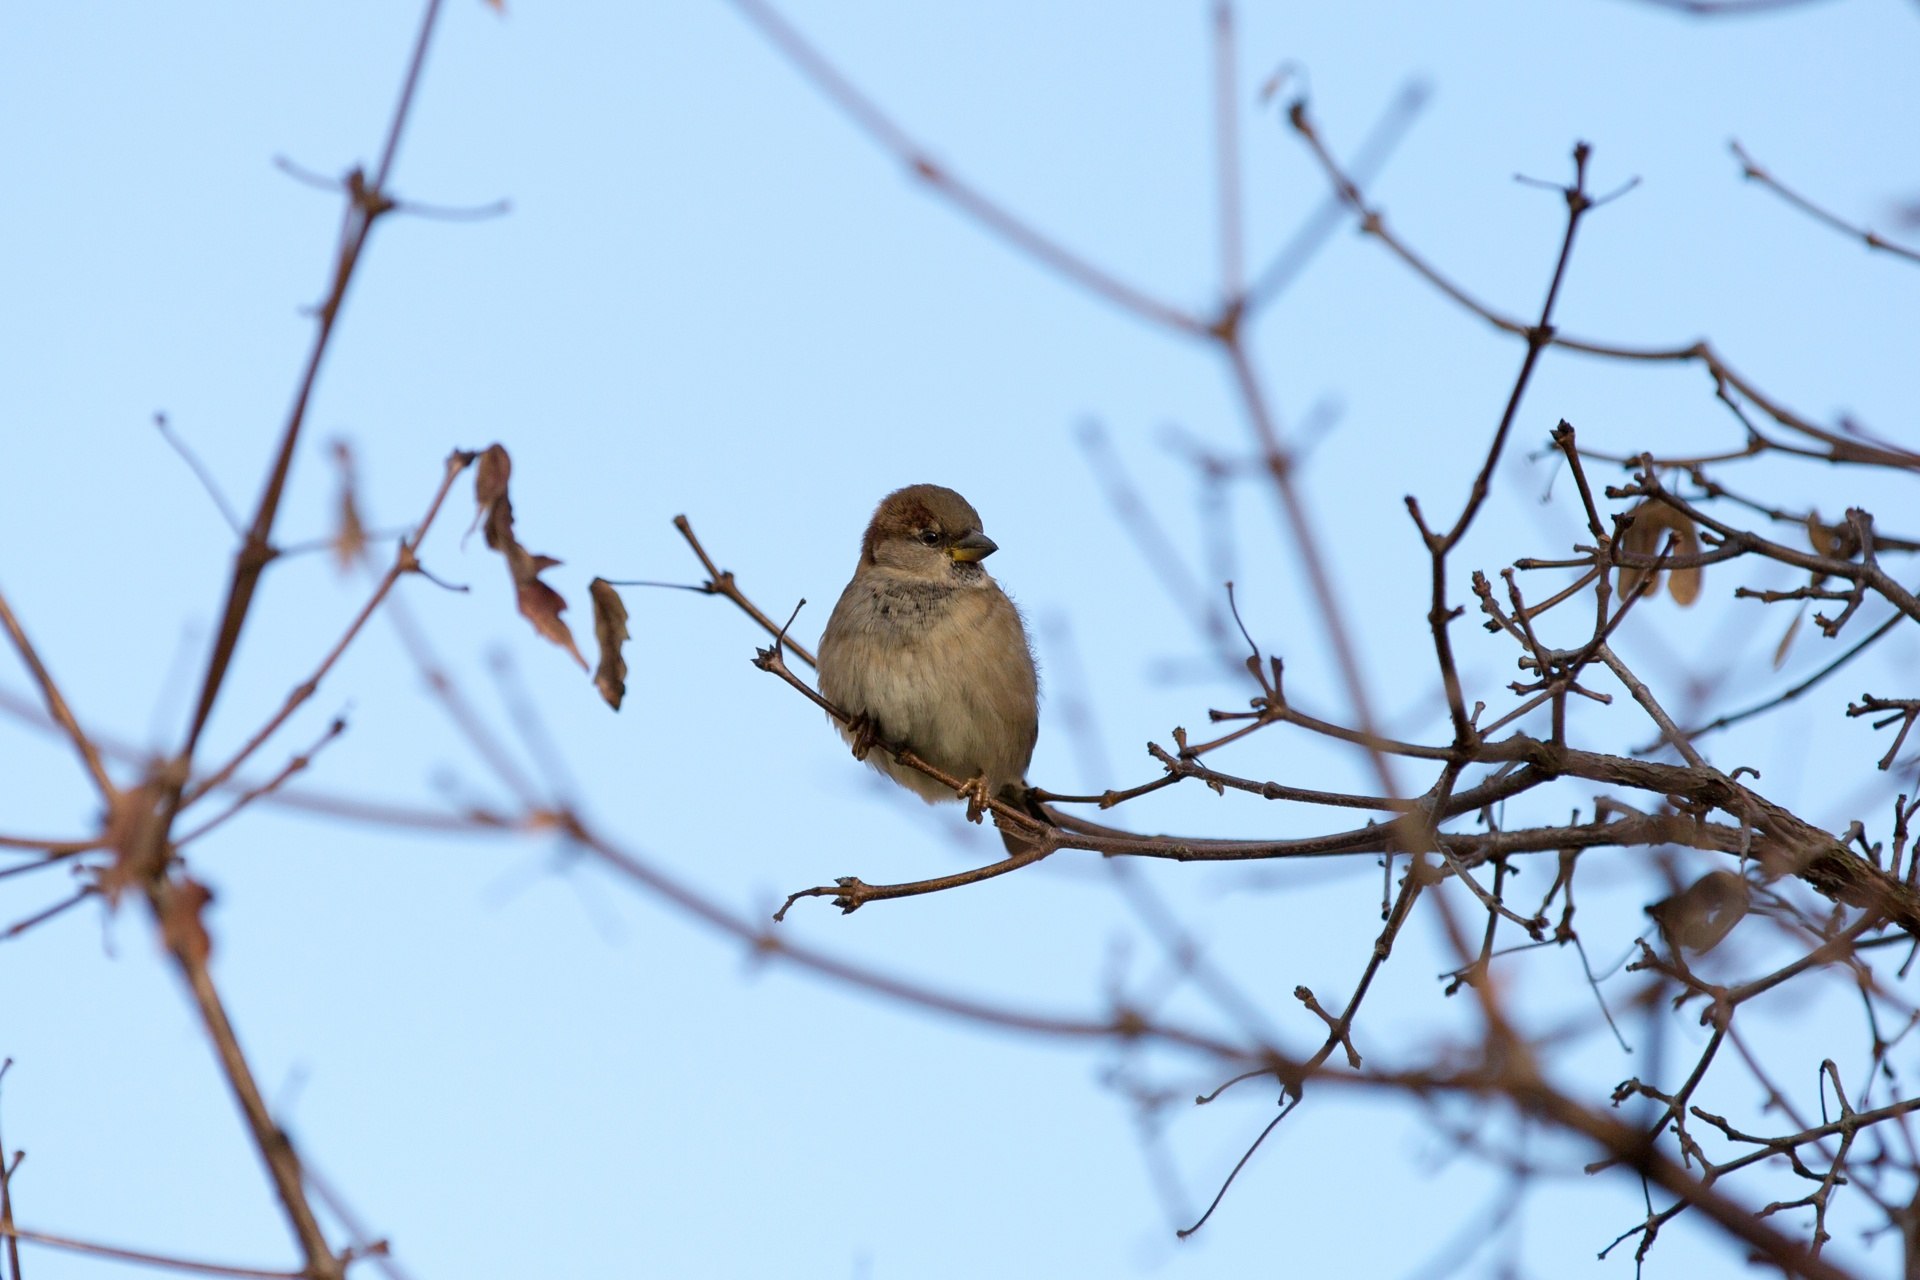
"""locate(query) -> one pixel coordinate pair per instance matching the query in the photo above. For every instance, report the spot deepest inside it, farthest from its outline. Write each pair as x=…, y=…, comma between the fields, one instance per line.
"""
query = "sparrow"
x=925, y=651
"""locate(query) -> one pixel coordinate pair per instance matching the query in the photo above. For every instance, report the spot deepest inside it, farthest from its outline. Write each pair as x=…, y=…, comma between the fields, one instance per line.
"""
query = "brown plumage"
x=926, y=646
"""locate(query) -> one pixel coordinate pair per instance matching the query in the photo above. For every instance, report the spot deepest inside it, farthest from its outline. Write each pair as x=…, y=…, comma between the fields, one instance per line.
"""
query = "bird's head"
x=929, y=532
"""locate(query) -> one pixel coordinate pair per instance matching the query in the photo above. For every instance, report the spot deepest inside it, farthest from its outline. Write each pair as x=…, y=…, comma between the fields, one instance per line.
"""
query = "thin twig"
x=1751, y=170
x=139, y=1256
x=875, y=123
x=405, y=560
x=1840, y=447
x=720, y=583
x=57, y=704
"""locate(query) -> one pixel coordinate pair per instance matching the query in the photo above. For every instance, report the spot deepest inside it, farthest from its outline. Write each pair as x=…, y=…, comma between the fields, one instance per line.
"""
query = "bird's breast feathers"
x=945, y=669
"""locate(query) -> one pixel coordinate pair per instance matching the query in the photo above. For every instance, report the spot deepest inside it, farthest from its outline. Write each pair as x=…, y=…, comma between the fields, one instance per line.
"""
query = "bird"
x=924, y=651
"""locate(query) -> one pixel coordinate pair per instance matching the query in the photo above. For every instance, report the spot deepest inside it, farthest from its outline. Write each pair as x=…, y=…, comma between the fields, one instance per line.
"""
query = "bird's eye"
x=929, y=536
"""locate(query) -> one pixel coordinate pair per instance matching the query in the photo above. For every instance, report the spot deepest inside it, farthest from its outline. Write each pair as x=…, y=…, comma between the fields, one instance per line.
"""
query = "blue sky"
x=713, y=296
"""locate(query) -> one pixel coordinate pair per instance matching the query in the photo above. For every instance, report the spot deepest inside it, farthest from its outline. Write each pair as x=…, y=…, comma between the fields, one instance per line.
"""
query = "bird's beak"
x=975, y=546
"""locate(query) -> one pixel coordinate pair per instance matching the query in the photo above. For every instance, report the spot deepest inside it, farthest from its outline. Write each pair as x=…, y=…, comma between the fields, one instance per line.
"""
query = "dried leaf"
x=1786, y=641
x=1684, y=584
x=183, y=924
x=539, y=603
x=1647, y=536
x=490, y=488
x=350, y=534
x=1824, y=541
x=1701, y=915
x=610, y=633
x=350, y=538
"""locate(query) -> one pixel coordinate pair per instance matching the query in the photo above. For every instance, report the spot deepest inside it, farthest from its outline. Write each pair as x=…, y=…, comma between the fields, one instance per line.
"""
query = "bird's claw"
x=864, y=735
x=974, y=792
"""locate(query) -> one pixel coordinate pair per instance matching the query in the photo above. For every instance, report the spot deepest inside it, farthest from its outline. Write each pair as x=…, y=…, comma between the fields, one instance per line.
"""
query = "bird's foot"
x=865, y=735
x=974, y=792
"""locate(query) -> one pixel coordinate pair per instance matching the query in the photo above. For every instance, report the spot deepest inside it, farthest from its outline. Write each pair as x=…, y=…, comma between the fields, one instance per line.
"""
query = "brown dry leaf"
x=350, y=538
x=1824, y=541
x=1647, y=536
x=183, y=925
x=349, y=534
x=1786, y=641
x=1699, y=916
x=610, y=633
x=539, y=603
x=489, y=488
